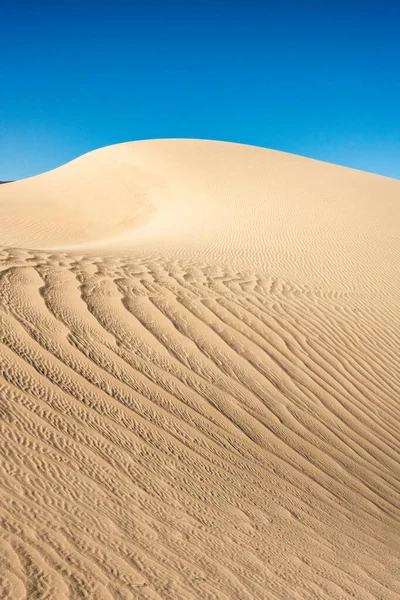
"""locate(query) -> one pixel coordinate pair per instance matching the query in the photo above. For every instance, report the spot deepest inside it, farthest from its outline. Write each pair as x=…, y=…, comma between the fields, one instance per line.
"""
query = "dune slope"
x=200, y=377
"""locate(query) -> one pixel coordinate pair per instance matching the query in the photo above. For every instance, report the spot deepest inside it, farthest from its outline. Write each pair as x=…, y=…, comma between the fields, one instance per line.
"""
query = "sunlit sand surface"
x=200, y=378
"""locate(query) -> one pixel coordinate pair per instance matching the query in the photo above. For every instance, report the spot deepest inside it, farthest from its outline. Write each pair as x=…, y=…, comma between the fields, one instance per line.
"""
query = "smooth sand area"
x=199, y=378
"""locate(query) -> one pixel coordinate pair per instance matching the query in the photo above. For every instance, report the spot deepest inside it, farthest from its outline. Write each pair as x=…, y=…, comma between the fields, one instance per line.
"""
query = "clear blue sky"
x=303, y=76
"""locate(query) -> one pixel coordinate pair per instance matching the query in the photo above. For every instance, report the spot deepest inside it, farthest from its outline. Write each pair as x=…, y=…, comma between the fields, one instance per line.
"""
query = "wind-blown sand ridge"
x=200, y=377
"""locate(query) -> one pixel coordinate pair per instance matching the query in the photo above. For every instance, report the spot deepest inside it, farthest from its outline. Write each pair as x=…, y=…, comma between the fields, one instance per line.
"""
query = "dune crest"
x=199, y=378
x=280, y=214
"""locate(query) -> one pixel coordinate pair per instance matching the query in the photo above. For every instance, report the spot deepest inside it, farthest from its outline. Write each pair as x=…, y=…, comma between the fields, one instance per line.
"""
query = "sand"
x=200, y=378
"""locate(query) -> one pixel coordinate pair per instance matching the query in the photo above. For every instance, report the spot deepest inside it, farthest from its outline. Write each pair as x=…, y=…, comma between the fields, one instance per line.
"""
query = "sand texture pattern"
x=199, y=378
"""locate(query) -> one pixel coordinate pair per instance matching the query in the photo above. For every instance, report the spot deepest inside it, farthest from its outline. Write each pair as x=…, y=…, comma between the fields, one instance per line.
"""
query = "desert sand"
x=200, y=378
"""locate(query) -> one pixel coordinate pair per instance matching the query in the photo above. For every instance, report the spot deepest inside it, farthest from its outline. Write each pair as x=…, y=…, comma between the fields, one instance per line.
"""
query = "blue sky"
x=306, y=77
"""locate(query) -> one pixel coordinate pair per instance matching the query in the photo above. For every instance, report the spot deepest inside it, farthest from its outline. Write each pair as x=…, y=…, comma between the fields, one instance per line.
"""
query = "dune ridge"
x=200, y=377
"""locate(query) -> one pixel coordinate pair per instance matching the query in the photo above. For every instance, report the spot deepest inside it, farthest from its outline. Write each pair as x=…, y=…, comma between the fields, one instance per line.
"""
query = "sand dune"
x=200, y=377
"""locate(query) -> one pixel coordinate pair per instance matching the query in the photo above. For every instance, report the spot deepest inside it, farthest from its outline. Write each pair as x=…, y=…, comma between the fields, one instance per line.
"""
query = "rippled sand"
x=199, y=378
